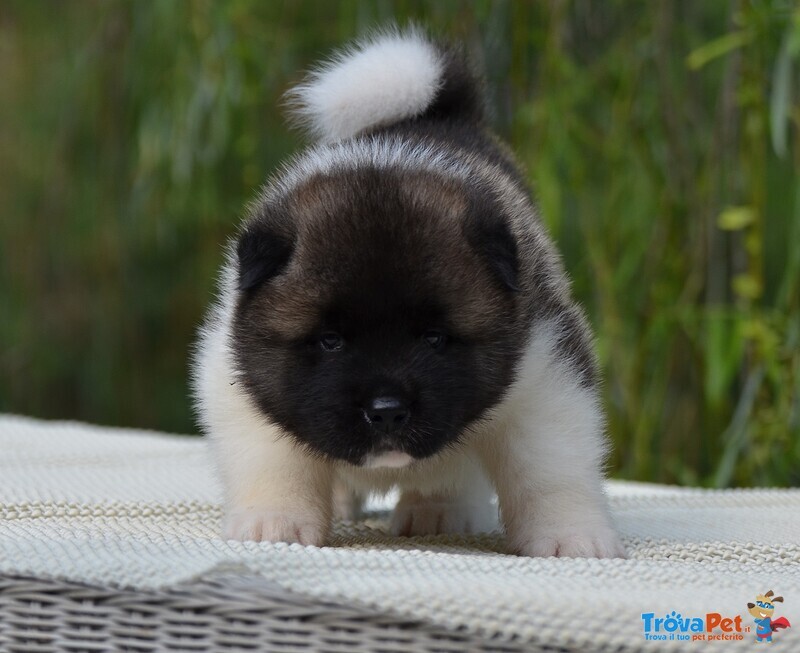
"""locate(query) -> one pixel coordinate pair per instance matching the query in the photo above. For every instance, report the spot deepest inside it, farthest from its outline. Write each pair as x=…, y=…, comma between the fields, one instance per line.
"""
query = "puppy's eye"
x=436, y=339
x=331, y=341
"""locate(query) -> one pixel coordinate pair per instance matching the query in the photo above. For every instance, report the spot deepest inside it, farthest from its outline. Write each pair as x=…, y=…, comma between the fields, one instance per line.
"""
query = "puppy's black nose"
x=386, y=414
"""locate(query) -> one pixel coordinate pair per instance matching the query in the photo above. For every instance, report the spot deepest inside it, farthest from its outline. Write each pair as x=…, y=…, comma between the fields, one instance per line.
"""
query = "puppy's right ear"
x=263, y=253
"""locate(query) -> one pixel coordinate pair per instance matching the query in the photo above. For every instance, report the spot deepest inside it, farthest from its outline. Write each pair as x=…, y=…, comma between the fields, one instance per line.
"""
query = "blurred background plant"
x=661, y=139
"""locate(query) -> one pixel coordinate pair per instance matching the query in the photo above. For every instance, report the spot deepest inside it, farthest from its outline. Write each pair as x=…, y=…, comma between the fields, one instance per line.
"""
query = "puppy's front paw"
x=435, y=515
x=574, y=542
x=274, y=526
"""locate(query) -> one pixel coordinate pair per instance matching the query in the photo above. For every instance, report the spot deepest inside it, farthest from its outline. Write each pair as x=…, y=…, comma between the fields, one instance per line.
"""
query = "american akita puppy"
x=393, y=313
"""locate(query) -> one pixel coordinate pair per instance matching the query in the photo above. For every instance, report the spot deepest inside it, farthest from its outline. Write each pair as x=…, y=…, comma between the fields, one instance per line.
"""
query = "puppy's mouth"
x=387, y=459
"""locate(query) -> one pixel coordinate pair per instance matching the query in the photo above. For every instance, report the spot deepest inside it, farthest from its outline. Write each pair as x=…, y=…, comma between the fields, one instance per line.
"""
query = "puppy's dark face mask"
x=377, y=314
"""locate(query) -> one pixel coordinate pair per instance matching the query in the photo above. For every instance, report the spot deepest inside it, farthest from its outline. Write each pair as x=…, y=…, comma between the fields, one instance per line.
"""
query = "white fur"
x=390, y=459
x=380, y=81
x=545, y=453
x=377, y=152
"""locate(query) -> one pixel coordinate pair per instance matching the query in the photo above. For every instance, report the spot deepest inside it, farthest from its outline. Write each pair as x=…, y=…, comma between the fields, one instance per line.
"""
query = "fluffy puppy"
x=392, y=313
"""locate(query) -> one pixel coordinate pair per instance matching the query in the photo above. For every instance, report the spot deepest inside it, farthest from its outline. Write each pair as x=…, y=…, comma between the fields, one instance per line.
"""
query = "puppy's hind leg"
x=464, y=508
x=347, y=503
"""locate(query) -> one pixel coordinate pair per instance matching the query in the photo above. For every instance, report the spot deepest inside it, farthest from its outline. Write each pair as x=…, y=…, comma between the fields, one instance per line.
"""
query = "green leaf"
x=699, y=57
x=735, y=436
x=780, y=100
x=735, y=218
x=723, y=345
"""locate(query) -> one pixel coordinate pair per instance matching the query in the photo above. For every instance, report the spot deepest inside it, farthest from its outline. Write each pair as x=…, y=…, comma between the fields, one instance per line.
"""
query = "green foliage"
x=661, y=140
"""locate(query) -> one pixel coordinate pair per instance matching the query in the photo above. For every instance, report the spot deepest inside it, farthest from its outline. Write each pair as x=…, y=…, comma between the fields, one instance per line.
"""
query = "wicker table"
x=109, y=541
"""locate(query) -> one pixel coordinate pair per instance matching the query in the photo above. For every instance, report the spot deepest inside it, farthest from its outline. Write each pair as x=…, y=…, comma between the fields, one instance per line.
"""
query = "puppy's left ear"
x=488, y=232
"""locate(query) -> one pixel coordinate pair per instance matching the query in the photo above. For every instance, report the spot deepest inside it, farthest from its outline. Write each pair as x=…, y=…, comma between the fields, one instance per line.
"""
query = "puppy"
x=392, y=313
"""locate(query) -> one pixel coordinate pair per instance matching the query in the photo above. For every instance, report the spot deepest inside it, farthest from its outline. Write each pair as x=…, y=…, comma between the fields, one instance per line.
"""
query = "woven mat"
x=133, y=509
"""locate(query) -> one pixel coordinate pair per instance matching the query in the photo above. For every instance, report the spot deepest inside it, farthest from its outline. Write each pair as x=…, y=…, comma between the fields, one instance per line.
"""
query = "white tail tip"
x=381, y=81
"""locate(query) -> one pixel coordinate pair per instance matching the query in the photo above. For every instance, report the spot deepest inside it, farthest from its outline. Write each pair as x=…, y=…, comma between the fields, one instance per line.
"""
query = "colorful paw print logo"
x=762, y=610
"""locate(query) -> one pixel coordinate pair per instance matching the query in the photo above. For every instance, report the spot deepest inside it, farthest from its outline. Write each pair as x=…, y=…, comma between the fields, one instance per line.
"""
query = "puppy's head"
x=377, y=312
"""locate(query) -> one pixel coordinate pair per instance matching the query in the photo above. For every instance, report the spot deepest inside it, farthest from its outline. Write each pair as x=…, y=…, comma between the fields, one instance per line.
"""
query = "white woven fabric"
x=128, y=508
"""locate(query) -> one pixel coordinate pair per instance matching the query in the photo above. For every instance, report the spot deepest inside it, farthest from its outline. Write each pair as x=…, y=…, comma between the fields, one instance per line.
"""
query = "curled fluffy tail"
x=388, y=78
